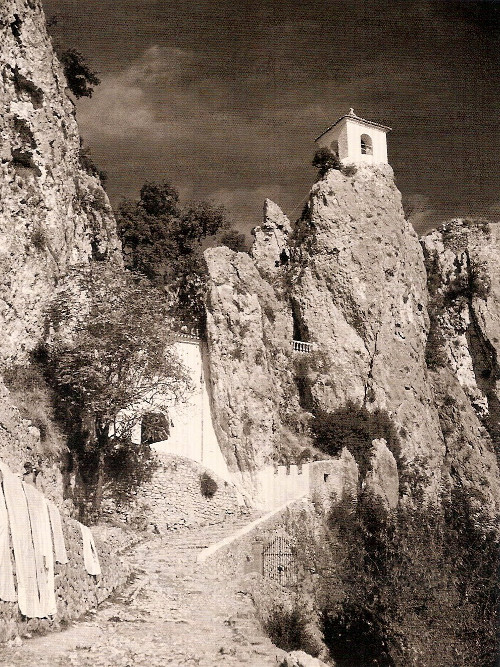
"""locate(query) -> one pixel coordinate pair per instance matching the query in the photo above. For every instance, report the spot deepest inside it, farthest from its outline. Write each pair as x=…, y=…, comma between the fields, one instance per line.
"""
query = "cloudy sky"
x=225, y=97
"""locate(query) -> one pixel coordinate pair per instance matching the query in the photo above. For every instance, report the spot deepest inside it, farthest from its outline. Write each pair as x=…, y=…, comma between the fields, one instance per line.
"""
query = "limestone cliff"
x=463, y=264
x=359, y=292
x=53, y=213
x=351, y=280
x=249, y=330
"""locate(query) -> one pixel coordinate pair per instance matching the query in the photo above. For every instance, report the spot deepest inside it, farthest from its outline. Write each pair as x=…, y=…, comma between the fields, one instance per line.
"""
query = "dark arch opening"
x=366, y=145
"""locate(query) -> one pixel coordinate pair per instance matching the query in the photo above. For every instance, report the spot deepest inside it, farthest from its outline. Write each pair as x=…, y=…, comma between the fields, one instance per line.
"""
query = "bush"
x=208, y=485
x=349, y=170
x=235, y=240
x=287, y=627
x=80, y=77
x=417, y=586
x=324, y=160
x=35, y=401
x=354, y=426
x=38, y=238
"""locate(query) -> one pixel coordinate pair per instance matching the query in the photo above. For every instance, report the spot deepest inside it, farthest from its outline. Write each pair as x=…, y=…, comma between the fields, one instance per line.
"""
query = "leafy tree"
x=111, y=352
x=80, y=77
x=324, y=160
x=234, y=240
x=164, y=240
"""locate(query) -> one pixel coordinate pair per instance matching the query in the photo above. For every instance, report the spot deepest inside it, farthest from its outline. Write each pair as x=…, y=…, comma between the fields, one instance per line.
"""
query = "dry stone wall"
x=173, y=498
x=76, y=591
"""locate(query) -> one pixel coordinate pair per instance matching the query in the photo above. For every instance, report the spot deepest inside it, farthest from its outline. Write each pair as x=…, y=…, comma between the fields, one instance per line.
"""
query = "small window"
x=366, y=145
x=334, y=147
x=325, y=476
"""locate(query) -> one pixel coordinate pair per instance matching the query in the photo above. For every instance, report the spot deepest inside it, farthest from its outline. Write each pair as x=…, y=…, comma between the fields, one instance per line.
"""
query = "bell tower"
x=356, y=140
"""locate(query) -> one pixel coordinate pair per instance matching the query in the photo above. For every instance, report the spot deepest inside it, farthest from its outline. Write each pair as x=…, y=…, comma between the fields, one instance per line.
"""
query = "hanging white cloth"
x=42, y=543
x=22, y=542
x=90, y=556
x=57, y=534
x=7, y=588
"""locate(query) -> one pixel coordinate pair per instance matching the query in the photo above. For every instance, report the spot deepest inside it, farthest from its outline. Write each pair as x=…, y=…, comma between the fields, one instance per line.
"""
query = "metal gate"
x=279, y=561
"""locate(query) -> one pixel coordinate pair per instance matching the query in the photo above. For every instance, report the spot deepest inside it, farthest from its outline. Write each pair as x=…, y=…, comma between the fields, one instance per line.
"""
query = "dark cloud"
x=226, y=98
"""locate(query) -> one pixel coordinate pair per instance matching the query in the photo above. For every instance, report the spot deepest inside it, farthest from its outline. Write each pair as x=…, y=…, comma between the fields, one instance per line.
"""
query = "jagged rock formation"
x=270, y=249
x=359, y=292
x=354, y=285
x=249, y=331
x=53, y=213
x=463, y=265
x=382, y=478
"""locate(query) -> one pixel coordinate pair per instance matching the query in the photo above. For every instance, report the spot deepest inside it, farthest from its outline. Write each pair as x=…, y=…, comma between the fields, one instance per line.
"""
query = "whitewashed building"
x=356, y=140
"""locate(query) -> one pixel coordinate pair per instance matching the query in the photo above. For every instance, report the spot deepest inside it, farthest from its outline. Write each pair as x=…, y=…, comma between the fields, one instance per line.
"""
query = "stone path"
x=175, y=612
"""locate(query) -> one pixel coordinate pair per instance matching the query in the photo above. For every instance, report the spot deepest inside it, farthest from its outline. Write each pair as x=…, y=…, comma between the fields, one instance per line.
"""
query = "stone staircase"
x=175, y=612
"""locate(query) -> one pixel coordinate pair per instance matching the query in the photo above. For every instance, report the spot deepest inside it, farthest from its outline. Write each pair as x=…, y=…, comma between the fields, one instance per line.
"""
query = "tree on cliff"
x=164, y=240
x=324, y=160
x=80, y=77
x=111, y=351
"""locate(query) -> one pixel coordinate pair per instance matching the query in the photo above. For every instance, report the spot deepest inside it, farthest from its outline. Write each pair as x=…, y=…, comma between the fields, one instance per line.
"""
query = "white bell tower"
x=356, y=140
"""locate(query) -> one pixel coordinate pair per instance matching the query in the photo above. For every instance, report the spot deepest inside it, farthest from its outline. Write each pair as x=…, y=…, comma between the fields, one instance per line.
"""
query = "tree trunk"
x=102, y=441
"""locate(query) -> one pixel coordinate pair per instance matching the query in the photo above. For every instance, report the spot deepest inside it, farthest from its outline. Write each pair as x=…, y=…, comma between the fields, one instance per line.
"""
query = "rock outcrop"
x=249, y=335
x=270, y=249
x=382, y=478
x=463, y=265
x=301, y=659
x=52, y=212
x=350, y=279
x=359, y=293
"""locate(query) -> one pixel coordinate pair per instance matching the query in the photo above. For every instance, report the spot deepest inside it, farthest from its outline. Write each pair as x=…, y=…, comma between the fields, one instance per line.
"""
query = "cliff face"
x=249, y=327
x=52, y=213
x=463, y=265
x=350, y=279
x=359, y=292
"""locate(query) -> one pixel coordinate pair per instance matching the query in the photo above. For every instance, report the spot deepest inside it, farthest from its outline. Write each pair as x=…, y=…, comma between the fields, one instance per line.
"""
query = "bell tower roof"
x=352, y=117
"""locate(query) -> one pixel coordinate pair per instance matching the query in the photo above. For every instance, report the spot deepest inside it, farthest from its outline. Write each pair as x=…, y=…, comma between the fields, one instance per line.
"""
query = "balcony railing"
x=186, y=334
x=301, y=346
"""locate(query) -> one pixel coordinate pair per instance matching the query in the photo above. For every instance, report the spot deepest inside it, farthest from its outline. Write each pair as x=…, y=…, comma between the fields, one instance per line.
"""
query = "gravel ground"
x=173, y=612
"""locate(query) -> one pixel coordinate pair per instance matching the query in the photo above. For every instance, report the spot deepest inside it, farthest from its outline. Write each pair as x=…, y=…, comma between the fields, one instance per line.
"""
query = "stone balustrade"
x=302, y=346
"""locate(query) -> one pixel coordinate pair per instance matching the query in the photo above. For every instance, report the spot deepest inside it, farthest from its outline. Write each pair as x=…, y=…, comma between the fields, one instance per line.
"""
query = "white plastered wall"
x=191, y=429
x=347, y=133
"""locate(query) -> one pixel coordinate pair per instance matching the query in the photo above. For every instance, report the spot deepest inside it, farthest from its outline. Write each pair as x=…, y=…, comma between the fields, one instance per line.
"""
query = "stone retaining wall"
x=173, y=499
x=243, y=555
x=76, y=591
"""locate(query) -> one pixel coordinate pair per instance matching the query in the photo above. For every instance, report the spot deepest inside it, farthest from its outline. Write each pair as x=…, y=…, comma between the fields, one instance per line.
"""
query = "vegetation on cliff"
x=412, y=587
x=355, y=427
x=164, y=240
